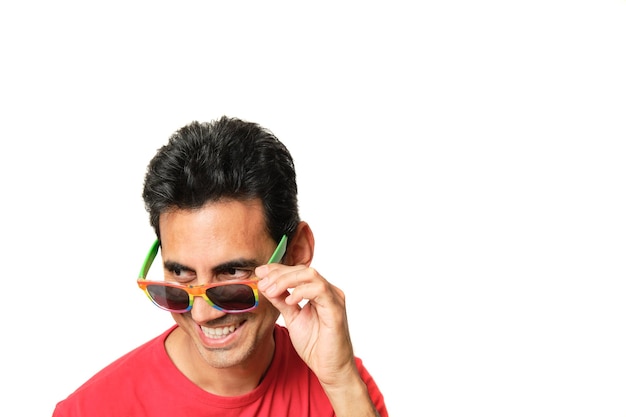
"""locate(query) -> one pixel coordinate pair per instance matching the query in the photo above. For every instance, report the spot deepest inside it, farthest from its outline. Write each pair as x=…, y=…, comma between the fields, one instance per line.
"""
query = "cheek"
x=267, y=310
x=179, y=319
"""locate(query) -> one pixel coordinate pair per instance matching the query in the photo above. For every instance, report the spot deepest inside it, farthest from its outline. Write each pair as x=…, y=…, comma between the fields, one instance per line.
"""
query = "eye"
x=232, y=274
x=179, y=272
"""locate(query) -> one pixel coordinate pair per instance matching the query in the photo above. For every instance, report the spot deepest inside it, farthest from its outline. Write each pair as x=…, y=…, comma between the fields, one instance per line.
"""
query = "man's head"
x=226, y=159
x=220, y=196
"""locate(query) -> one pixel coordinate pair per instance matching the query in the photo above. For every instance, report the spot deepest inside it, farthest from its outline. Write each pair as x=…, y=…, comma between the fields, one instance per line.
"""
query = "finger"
x=285, y=308
x=276, y=279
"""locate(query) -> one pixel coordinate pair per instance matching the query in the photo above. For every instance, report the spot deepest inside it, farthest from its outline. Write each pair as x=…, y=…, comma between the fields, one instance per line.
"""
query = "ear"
x=301, y=246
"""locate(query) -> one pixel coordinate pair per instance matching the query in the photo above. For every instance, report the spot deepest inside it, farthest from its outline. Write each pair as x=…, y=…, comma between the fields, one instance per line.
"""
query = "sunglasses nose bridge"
x=204, y=310
x=195, y=292
x=198, y=291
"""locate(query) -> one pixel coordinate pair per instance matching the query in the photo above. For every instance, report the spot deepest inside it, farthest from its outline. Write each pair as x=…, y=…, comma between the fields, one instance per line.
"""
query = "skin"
x=199, y=242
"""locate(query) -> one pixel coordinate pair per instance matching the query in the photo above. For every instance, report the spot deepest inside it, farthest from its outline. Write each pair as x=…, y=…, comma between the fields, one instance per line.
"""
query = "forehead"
x=215, y=227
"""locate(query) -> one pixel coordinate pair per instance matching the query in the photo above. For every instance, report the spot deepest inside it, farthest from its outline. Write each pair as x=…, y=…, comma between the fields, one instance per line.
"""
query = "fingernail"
x=261, y=271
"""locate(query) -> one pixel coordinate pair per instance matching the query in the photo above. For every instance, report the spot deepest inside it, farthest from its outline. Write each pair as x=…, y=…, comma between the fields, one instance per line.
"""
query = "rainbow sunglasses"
x=228, y=296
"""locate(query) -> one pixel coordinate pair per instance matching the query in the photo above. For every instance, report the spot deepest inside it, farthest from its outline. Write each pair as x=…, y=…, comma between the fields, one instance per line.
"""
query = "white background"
x=461, y=163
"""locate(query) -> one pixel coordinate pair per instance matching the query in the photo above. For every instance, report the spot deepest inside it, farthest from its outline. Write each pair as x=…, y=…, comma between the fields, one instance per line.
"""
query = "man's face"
x=219, y=242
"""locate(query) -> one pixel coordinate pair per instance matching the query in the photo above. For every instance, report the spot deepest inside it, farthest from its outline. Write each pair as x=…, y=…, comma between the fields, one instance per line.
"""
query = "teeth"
x=216, y=333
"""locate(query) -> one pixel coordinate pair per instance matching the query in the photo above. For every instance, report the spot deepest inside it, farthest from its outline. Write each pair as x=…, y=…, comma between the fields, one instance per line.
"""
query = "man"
x=222, y=199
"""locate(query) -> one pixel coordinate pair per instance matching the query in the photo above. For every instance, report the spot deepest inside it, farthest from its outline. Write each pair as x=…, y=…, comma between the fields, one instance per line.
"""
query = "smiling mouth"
x=219, y=332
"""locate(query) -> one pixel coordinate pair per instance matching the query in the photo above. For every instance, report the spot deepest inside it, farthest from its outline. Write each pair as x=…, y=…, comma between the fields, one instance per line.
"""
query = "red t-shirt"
x=145, y=382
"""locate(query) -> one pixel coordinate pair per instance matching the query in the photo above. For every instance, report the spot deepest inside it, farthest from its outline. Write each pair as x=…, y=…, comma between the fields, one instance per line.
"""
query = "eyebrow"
x=236, y=263
x=171, y=266
x=225, y=266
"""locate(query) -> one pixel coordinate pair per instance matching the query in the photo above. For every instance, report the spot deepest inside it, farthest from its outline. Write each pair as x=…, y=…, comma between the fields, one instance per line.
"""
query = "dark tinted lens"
x=232, y=297
x=169, y=297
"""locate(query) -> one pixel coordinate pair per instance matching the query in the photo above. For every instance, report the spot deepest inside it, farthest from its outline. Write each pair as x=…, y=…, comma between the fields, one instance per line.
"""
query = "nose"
x=202, y=311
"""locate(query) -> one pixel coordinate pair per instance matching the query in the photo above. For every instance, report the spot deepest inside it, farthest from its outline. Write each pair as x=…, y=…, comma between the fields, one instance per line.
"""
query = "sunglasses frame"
x=194, y=291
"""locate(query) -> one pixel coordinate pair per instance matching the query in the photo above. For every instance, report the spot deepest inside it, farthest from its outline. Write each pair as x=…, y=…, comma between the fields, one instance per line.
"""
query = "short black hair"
x=228, y=158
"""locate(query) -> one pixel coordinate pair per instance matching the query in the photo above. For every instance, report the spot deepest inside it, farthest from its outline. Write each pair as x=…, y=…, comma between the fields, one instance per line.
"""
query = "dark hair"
x=224, y=159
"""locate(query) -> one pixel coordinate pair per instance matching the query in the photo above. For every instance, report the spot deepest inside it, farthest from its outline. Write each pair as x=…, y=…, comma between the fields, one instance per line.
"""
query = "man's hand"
x=319, y=332
x=319, y=328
